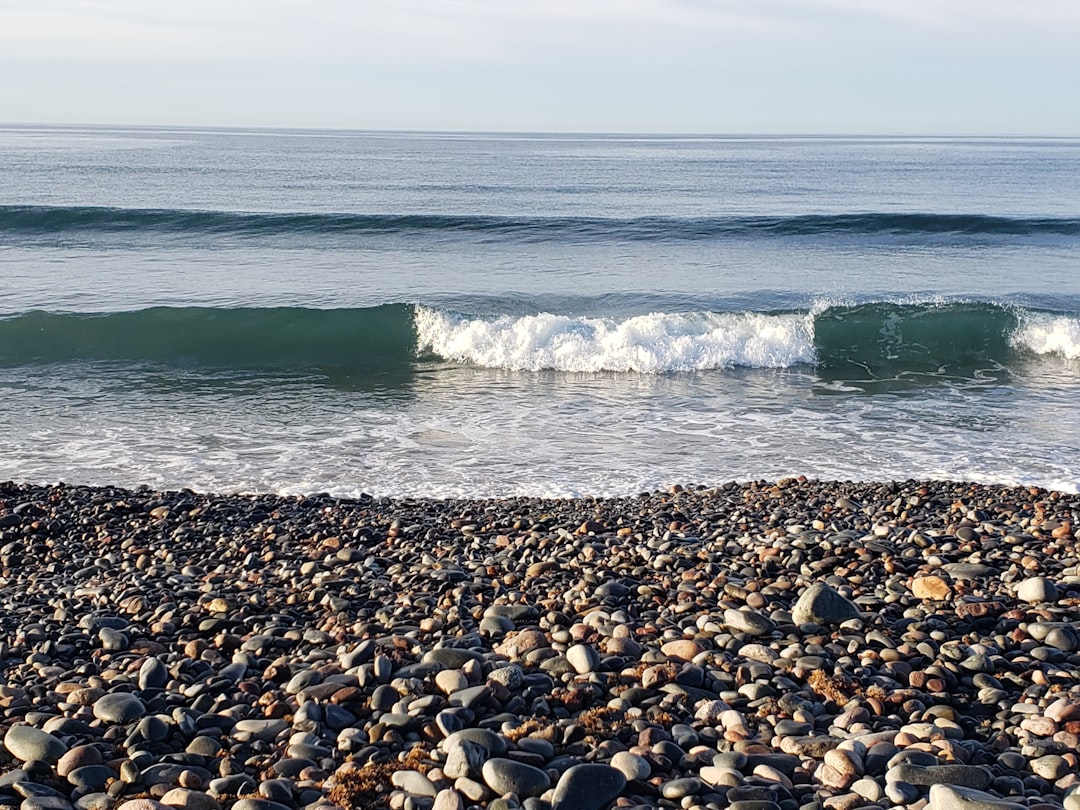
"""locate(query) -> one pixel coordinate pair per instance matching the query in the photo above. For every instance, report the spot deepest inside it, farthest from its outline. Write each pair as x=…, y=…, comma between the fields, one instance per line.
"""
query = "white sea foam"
x=651, y=344
x=1049, y=334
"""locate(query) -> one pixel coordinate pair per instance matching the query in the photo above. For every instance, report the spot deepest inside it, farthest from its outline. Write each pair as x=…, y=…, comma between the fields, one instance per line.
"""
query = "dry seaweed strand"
x=369, y=787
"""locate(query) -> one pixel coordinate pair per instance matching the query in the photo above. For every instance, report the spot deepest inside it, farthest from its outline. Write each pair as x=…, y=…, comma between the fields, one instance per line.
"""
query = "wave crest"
x=648, y=344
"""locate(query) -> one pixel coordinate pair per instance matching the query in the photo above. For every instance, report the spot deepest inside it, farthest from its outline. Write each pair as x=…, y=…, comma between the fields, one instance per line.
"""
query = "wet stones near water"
x=754, y=647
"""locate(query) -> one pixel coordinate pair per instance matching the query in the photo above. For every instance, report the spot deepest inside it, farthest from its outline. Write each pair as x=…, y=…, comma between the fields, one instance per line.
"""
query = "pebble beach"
x=791, y=645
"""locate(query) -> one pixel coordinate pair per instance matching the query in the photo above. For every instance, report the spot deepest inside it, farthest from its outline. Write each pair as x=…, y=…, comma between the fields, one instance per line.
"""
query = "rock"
x=1036, y=590
x=952, y=797
x=119, y=707
x=969, y=776
x=583, y=658
x=746, y=621
x=508, y=776
x=448, y=799
x=932, y=588
x=683, y=649
x=189, y=800
x=631, y=766
x=587, y=787
x=27, y=743
x=821, y=604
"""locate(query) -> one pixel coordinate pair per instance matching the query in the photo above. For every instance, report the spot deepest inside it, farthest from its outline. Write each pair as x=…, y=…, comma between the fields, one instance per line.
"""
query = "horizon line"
x=582, y=133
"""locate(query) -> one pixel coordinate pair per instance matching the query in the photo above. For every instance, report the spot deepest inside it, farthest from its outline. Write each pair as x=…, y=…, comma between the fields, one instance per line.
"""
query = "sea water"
x=432, y=314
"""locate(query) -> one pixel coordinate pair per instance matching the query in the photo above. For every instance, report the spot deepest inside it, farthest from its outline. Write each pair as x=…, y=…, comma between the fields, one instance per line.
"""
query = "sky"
x=948, y=67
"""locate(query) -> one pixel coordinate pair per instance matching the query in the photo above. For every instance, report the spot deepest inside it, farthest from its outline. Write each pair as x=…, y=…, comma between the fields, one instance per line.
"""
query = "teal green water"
x=439, y=314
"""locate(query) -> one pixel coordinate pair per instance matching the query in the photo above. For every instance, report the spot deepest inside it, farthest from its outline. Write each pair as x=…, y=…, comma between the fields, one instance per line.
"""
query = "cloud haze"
x=931, y=66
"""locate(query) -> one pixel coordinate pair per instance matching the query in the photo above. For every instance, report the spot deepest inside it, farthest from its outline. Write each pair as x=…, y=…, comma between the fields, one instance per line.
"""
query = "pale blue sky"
x=693, y=66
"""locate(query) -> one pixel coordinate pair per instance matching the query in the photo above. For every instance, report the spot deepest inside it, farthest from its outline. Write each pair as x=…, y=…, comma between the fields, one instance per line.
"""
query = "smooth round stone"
x=259, y=804
x=678, y=788
x=821, y=604
x=450, y=657
x=95, y=801
x=413, y=782
x=119, y=707
x=112, y=640
x=869, y=789
x=78, y=757
x=470, y=696
x=185, y=799
x=952, y=797
x=464, y=759
x=153, y=674
x=754, y=804
x=450, y=681
x=203, y=746
x=508, y=776
x=265, y=730
x=27, y=743
x=587, y=787
x=91, y=778
x=153, y=728
x=141, y=804
x=234, y=785
x=1035, y=590
x=496, y=625
x=631, y=766
x=1050, y=767
x=901, y=792
x=448, y=799
x=486, y=738
x=583, y=658
x=1061, y=639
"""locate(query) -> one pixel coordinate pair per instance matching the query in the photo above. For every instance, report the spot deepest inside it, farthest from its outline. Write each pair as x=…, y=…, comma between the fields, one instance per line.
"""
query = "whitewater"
x=441, y=315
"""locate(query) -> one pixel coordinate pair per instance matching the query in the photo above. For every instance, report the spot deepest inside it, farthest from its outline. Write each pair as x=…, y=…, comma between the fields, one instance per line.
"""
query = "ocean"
x=442, y=315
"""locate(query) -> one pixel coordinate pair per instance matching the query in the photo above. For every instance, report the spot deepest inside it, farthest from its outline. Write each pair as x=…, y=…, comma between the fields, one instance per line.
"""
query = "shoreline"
x=760, y=646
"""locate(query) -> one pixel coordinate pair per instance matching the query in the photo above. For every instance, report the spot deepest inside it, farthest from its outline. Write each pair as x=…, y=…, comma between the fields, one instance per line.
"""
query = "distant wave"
x=877, y=338
x=44, y=221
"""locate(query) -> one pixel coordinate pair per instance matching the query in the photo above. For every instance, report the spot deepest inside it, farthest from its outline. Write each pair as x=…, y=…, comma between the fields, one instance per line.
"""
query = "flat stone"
x=259, y=804
x=952, y=797
x=266, y=730
x=679, y=788
x=970, y=776
x=587, y=787
x=28, y=743
x=190, y=799
x=45, y=803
